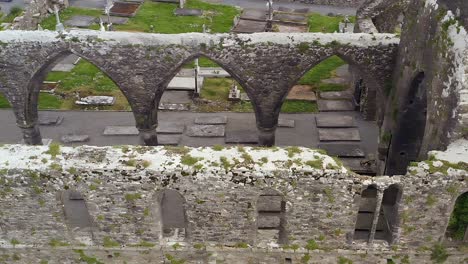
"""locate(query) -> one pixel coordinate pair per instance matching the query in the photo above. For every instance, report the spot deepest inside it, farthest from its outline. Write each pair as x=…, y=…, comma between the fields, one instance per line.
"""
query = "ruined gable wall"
x=433, y=42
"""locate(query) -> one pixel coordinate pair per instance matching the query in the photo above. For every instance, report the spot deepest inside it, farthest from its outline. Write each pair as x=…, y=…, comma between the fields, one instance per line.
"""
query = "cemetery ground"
x=85, y=79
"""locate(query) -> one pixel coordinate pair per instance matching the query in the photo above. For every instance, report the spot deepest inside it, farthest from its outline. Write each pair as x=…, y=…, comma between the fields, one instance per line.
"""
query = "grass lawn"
x=46, y=101
x=50, y=23
x=217, y=91
x=324, y=70
x=326, y=24
x=14, y=12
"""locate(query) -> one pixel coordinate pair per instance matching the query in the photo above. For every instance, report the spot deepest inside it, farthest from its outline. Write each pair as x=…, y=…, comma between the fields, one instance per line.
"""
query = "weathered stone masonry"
x=266, y=65
x=122, y=186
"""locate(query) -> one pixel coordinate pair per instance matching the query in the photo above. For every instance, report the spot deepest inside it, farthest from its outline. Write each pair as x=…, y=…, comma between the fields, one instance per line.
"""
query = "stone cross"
x=109, y=5
x=102, y=28
x=269, y=26
x=181, y=3
x=59, y=26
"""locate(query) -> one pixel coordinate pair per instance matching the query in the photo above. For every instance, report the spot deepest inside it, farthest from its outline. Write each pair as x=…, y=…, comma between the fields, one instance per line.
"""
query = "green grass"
x=4, y=102
x=326, y=24
x=322, y=71
x=459, y=218
x=216, y=89
x=46, y=101
x=50, y=23
x=14, y=12
x=293, y=106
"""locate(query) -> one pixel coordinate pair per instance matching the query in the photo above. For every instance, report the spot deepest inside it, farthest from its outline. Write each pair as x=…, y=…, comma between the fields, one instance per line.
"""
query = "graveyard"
x=234, y=131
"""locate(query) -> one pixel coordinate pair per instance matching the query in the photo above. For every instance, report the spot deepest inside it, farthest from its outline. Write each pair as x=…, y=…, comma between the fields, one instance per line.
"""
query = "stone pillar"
x=148, y=137
x=376, y=215
x=266, y=136
x=31, y=134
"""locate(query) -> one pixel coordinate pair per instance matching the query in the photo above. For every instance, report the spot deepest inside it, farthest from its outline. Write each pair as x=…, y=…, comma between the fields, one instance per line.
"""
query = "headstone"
x=241, y=137
x=335, y=121
x=286, y=123
x=168, y=140
x=81, y=21
x=96, y=100
x=211, y=120
x=339, y=134
x=120, y=131
x=170, y=128
x=50, y=119
x=74, y=138
x=334, y=105
x=206, y=131
x=343, y=150
x=188, y=12
x=234, y=94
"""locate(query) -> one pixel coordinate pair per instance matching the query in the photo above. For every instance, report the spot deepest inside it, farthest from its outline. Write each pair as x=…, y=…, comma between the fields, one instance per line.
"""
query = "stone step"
x=343, y=150
x=334, y=105
x=339, y=134
x=335, y=121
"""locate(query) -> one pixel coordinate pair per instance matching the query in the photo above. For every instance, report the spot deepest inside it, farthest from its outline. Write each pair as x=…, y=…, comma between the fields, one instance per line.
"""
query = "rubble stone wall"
x=35, y=12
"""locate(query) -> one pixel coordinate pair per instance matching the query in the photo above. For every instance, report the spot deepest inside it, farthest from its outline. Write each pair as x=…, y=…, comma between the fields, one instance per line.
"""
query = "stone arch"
x=388, y=221
x=271, y=218
x=407, y=138
x=367, y=210
x=457, y=227
x=172, y=215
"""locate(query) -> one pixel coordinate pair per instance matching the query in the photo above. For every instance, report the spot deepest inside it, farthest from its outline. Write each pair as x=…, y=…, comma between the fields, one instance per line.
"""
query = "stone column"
x=31, y=134
x=266, y=136
x=147, y=124
x=376, y=215
x=148, y=137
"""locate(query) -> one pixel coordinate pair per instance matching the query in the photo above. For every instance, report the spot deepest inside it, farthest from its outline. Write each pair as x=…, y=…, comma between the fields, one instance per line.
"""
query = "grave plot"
x=80, y=21
x=124, y=9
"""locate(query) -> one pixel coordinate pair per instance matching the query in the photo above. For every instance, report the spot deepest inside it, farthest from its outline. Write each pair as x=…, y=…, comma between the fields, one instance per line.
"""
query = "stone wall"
x=35, y=12
x=266, y=65
x=431, y=71
x=121, y=186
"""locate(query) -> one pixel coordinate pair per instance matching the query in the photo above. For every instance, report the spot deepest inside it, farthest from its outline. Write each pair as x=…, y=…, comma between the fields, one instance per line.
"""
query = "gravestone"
x=241, y=137
x=211, y=120
x=80, y=21
x=170, y=128
x=339, y=134
x=120, y=131
x=174, y=107
x=206, y=131
x=74, y=138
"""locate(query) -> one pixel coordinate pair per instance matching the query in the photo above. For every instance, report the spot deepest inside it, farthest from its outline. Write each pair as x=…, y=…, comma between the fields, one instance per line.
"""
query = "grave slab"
x=115, y=20
x=206, y=131
x=80, y=21
x=174, y=107
x=302, y=92
x=249, y=26
x=124, y=9
x=290, y=123
x=211, y=120
x=73, y=138
x=300, y=19
x=96, y=100
x=188, y=12
x=339, y=134
x=63, y=67
x=167, y=1
x=361, y=166
x=343, y=150
x=120, y=131
x=253, y=14
x=50, y=119
x=168, y=140
x=334, y=105
x=182, y=84
x=213, y=72
x=241, y=137
x=335, y=95
x=170, y=128
x=335, y=121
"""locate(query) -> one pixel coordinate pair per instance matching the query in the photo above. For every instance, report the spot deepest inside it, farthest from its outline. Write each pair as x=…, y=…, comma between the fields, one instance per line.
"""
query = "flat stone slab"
x=174, y=107
x=361, y=166
x=241, y=137
x=334, y=105
x=302, y=92
x=170, y=128
x=74, y=138
x=290, y=18
x=206, y=131
x=188, y=12
x=253, y=14
x=249, y=26
x=80, y=21
x=115, y=20
x=45, y=141
x=343, y=150
x=335, y=121
x=213, y=72
x=50, y=120
x=168, y=140
x=286, y=123
x=211, y=120
x=96, y=100
x=335, y=95
x=63, y=67
x=182, y=84
x=339, y=134
x=124, y=9
x=120, y=131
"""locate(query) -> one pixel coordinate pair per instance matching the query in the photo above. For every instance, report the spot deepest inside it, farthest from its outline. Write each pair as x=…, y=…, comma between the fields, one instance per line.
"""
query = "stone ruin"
x=242, y=204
